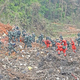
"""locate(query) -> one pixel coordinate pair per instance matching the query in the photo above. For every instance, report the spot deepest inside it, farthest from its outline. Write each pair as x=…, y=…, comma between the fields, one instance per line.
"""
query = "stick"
x=74, y=76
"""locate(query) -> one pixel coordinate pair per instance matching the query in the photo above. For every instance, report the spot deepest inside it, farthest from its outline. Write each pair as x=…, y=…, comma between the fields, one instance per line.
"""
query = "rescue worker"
x=40, y=38
x=78, y=34
x=48, y=38
x=23, y=33
x=73, y=46
x=25, y=40
x=61, y=38
x=9, y=36
x=78, y=40
x=60, y=48
x=47, y=43
x=11, y=47
x=68, y=44
x=57, y=40
x=64, y=43
x=18, y=33
x=53, y=43
x=37, y=41
x=33, y=37
x=29, y=41
x=14, y=33
x=43, y=43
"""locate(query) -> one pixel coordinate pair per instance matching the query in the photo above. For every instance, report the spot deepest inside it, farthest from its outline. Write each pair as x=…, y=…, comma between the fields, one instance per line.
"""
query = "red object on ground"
x=4, y=40
x=47, y=43
x=74, y=76
x=73, y=46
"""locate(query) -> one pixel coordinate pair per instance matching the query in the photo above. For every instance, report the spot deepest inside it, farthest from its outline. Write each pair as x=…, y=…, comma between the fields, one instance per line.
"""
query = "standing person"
x=25, y=40
x=64, y=43
x=40, y=38
x=53, y=43
x=29, y=41
x=61, y=48
x=23, y=33
x=61, y=38
x=14, y=33
x=33, y=37
x=78, y=34
x=9, y=36
x=78, y=40
x=68, y=44
x=73, y=46
x=47, y=43
x=11, y=47
x=18, y=33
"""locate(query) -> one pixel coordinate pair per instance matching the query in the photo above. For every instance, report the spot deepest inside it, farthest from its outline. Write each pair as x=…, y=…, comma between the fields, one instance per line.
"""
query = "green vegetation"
x=38, y=15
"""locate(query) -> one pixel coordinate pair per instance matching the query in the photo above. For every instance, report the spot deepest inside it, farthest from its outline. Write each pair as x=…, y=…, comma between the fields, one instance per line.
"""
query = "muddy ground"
x=39, y=63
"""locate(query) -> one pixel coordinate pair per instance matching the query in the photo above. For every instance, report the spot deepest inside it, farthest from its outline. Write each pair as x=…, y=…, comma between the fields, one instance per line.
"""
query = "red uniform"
x=47, y=43
x=73, y=46
x=60, y=48
x=65, y=43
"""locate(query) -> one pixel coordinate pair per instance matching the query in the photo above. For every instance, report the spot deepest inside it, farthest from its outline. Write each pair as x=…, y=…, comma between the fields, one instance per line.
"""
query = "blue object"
x=14, y=44
x=17, y=27
x=38, y=54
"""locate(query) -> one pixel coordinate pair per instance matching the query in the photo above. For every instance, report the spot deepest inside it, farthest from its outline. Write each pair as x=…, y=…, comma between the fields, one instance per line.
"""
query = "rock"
x=64, y=62
x=57, y=78
x=15, y=79
x=40, y=64
x=1, y=76
x=28, y=56
x=20, y=47
x=24, y=72
x=4, y=66
x=25, y=64
x=50, y=71
x=22, y=55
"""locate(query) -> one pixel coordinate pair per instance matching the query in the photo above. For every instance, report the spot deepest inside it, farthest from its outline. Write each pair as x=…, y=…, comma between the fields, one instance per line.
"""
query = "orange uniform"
x=47, y=43
x=73, y=46
x=60, y=48
x=65, y=43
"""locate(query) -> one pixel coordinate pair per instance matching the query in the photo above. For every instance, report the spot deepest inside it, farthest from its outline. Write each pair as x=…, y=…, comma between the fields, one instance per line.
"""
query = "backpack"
x=64, y=47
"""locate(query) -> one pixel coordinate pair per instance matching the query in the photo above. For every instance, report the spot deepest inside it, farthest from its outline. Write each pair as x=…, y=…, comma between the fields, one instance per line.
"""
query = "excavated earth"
x=4, y=28
x=38, y=63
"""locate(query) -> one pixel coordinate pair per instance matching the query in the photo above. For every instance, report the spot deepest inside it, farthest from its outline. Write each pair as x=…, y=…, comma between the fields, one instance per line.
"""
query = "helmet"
x=17, y=27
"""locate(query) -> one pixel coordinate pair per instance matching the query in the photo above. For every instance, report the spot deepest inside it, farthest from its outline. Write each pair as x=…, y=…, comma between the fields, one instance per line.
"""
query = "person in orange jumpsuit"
x=73, y=46
x=58, y=47
x=47, y=43
x=61, y=48
x=64, y=43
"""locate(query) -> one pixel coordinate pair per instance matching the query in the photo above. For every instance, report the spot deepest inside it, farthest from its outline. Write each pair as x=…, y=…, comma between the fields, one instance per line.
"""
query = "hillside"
x=39, y=62
x=41, y=16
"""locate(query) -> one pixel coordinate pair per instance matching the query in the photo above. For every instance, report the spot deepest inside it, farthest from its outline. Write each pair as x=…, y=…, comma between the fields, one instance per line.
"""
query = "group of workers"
x=59, y=44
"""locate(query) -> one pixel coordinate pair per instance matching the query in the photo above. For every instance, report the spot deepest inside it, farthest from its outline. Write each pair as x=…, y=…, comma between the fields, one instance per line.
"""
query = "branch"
x=3, y=6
